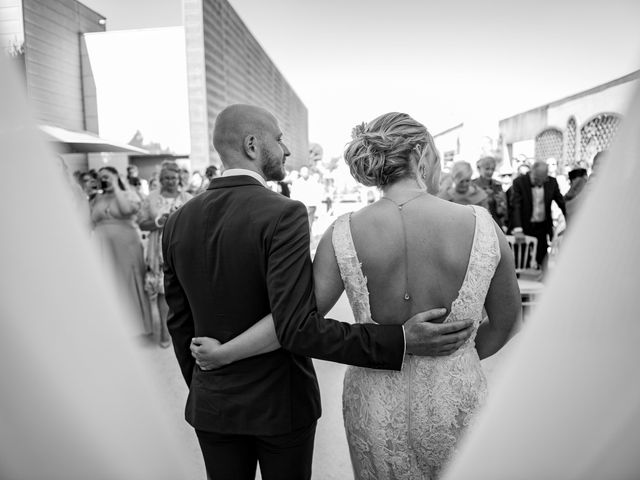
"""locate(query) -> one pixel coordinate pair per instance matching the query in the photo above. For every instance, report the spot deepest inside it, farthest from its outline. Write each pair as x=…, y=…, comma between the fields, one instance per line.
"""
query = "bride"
x=408, y=252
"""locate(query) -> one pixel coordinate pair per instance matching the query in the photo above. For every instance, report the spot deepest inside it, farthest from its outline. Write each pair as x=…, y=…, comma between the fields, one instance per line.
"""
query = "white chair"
x=524, y=251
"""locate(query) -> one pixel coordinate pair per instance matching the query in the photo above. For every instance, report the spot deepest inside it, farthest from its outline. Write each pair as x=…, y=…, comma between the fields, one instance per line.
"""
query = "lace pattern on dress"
x=355, y=283
x=406, y=425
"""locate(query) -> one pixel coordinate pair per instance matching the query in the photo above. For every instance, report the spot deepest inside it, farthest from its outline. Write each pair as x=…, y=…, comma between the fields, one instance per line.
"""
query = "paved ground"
x=331, y=457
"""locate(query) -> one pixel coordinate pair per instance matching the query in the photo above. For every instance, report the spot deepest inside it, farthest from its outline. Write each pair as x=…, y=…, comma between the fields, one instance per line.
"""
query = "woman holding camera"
x=156, y=208
x=113, y=212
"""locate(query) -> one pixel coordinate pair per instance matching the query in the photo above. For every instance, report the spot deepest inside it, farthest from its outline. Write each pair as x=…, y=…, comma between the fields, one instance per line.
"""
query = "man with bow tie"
x=532, y=197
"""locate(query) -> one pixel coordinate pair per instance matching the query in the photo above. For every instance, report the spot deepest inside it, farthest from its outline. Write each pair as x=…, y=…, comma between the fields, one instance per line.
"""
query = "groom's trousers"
x=281, y=457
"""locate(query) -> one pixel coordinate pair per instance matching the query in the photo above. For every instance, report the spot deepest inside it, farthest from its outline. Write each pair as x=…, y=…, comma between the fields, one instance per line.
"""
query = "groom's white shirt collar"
x=233, y=172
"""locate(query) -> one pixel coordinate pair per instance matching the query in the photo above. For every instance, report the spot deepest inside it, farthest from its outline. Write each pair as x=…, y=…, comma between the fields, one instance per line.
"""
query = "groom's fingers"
x=453, y=327
x=460, y=337
x=434, y=314
x=448, y=349
x=454, y=343
x=428, y=316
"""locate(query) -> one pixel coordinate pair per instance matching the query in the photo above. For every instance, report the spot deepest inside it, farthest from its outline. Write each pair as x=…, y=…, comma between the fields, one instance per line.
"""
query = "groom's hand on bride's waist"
x=426, y=338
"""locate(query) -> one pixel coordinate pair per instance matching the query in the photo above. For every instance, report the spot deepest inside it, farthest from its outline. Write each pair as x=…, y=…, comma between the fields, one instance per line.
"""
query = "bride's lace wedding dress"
x=406, y=425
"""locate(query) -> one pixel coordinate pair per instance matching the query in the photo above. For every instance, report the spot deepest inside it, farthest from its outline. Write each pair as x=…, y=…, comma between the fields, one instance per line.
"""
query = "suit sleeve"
x=299, y=327
x=516, y=205
x=179, y=319
x=559, y=199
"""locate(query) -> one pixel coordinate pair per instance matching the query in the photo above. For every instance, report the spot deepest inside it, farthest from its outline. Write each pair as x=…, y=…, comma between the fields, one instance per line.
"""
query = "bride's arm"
x=261, y=337
x=503, y=305
x=327, y=281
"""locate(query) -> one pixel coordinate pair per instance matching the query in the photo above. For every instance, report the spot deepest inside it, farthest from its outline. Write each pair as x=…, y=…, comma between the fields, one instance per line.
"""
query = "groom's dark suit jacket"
x=232, y=255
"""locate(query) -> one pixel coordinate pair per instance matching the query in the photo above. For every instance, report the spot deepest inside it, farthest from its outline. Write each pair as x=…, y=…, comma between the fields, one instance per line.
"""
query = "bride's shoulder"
x=371, y=215
x=446, y=208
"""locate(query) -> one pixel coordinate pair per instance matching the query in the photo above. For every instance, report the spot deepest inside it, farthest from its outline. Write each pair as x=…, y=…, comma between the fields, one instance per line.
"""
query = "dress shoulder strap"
x=487, y=247
x=355, y=283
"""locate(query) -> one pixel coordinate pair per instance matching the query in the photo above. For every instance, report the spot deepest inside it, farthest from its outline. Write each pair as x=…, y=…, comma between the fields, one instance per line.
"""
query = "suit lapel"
x=527, y=190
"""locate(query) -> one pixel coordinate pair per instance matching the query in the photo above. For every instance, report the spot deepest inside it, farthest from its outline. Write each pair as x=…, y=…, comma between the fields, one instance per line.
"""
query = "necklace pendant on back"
x=406, y=296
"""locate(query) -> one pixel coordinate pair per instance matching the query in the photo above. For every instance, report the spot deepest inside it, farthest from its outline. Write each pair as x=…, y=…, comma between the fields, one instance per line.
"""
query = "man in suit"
x=232, y=255
x=531, y=204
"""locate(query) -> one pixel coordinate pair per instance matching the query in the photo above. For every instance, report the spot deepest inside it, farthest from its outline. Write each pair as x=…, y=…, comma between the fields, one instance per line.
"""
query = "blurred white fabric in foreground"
x=77, y=402
x=568, y=405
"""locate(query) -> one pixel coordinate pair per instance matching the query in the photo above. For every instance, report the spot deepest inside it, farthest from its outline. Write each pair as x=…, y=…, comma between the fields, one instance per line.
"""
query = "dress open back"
x=406, y=425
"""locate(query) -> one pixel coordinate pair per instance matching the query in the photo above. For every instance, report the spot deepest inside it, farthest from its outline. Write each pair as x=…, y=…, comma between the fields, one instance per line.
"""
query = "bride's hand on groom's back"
x=206, y=351
x=426, y=338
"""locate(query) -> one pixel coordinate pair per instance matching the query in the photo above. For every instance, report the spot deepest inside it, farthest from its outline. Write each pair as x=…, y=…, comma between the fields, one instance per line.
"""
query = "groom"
x=232, y=255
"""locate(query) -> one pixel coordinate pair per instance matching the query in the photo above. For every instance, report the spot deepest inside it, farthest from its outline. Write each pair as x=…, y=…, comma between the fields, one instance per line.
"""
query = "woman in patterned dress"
x=156, y=208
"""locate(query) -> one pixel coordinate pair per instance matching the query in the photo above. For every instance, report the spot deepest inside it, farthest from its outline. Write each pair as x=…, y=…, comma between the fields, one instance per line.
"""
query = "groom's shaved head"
x=232, y=127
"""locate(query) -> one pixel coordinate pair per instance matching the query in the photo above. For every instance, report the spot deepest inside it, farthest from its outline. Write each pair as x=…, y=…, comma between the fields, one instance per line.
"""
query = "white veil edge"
x=77, y=401
x=568, y=404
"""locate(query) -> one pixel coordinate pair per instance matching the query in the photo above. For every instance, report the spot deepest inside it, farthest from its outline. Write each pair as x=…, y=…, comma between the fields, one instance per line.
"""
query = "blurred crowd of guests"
x=127, y=213
x=535, y=200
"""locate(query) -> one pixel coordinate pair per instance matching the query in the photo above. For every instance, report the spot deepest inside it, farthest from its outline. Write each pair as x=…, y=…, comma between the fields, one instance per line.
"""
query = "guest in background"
x=135, y=185
x=523, y=168
x=283, y=188
x=505, y=177
x=195, y=184
x=446, y=181
x=139, y=184
x=185, y=175
x=532, y=197
x=90, y=184
x=496, y=197
x=307, y=189
x=578, y=181
x=280, y=187
x=462, y=190
x=210, y=173
x=155, y=210
x=154, y=182
x=112, y=215
x=555, y=172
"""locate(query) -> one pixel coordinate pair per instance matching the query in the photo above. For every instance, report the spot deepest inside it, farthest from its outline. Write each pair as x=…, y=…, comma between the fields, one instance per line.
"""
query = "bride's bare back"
x=415, y=251
x=439, y=236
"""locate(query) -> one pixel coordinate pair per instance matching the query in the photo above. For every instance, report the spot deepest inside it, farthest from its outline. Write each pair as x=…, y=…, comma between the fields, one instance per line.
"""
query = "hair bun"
x=358, y=131
x=379, y=152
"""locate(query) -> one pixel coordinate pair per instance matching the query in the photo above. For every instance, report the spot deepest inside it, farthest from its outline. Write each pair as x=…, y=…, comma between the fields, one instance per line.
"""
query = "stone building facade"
x=227, y=65
x=573, y=129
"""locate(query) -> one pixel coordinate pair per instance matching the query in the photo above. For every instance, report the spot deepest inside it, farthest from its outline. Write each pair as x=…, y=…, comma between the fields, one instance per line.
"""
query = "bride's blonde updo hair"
x=379, y=153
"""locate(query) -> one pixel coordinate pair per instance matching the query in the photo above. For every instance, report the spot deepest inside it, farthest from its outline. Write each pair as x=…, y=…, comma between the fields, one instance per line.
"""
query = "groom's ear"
x=250, y=146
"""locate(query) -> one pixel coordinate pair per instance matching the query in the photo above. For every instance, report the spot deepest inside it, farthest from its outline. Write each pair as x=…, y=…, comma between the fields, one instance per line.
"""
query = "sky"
x=443, y=62
x=141, y=82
